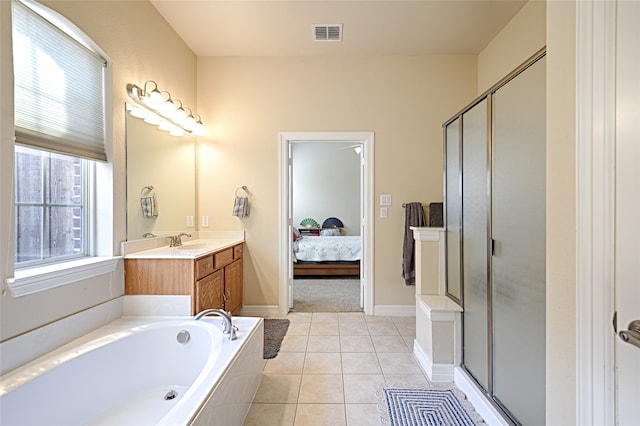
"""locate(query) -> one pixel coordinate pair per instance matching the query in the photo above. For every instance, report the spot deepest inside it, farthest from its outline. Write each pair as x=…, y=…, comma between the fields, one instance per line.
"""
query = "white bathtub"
x=120, y=374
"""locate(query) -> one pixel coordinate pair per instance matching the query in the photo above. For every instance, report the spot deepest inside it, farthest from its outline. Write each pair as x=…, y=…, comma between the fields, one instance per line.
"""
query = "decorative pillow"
x=333, y=232
x=296, y=234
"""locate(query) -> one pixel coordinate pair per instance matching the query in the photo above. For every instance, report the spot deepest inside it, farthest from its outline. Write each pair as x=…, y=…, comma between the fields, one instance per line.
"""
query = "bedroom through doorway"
x=325, y=193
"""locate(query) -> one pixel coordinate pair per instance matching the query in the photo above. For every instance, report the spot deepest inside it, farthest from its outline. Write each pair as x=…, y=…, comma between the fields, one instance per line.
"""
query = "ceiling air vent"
x=327, y=32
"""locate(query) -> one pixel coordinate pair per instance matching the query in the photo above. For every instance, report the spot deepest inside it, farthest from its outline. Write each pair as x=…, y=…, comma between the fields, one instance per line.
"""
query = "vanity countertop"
x=188, y=250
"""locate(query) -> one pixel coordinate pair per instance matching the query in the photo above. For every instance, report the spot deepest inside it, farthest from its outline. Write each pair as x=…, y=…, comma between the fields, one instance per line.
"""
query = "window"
x=60, y=126
x=51, y=206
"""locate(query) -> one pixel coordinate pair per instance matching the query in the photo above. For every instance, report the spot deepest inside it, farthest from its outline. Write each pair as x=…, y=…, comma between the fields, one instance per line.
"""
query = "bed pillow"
x=332, y=232
x=296, y=234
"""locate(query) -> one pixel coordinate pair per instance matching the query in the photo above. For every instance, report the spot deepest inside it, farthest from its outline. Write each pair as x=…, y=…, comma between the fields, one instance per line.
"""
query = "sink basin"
x=198, y=246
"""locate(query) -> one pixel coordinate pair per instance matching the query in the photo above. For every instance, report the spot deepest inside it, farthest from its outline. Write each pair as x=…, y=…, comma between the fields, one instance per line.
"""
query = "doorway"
x=363, y=140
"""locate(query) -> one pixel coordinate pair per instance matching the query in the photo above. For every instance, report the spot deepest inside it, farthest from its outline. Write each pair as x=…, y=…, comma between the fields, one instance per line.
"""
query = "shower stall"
x=495, y=212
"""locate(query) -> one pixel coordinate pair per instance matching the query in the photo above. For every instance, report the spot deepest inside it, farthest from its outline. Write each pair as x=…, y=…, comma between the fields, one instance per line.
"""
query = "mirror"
x=166, y=163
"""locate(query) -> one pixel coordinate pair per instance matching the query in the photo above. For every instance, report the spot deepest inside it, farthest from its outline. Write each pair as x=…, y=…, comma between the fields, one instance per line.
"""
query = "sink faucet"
x=229, y=328
x=149, y=235
x=176, y=240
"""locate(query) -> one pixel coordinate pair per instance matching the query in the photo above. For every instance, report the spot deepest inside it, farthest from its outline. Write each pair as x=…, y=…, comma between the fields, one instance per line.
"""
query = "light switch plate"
x=385, y=199
x=205, y=221
x=189, y=221
x=383, y=213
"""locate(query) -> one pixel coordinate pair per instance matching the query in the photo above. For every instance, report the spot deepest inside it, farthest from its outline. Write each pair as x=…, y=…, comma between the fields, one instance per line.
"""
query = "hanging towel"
x=241, y=203
x=241, y=207
x=414, y=216
x=148, y=202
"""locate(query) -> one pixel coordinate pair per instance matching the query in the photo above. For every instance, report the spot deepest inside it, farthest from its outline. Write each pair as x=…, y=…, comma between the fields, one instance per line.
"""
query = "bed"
x=327, y=255
x=324, y=250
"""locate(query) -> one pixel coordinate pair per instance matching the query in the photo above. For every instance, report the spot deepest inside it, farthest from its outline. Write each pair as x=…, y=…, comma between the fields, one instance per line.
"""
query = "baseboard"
x=260, y=311
x=476, y=396
x=435, y=372
x=395, y=310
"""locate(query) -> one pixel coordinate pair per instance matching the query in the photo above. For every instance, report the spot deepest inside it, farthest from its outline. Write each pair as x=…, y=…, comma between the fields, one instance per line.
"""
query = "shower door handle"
x=632, y=335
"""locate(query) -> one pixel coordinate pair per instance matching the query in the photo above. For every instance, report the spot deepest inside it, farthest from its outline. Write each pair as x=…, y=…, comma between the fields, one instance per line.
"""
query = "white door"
x=363, y=259
x=627, y=263
x=289, y=249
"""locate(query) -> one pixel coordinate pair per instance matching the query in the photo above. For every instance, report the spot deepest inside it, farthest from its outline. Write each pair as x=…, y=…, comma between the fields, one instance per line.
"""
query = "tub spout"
x=229, y=328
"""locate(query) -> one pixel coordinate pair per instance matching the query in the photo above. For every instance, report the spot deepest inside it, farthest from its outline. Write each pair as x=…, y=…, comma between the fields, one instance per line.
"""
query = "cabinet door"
x=233, y=286
x=208, y=292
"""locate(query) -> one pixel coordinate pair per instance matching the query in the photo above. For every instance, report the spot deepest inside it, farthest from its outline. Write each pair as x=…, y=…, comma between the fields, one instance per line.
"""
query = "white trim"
x=595, y=104
x=394, y=310
x=435, y=372
x=33, y=280
x=428, y=234
x=366, y=264
x=475, y=396
x=438, y=308
x=264, y=311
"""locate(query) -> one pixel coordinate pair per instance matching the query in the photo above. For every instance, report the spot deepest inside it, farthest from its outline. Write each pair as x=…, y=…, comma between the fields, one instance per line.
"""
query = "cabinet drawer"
x=237, y=252
x=222, y=258
x=204, y=266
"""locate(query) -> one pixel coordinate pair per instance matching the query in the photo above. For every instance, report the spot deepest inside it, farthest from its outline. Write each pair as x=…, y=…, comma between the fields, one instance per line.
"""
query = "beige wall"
x=247, y=101
x=522, y=37
x=141, y=46
x=326, y=183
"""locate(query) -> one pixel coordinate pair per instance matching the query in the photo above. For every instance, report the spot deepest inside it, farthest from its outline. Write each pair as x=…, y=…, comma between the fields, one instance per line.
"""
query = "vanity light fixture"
x=159, y=109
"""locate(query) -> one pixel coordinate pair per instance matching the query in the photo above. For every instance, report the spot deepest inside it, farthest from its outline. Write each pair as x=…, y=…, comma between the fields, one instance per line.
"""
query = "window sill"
x=33, y=280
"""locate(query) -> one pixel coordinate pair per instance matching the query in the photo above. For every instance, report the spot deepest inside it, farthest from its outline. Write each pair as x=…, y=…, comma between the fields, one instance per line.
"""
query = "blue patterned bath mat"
x=417, y=407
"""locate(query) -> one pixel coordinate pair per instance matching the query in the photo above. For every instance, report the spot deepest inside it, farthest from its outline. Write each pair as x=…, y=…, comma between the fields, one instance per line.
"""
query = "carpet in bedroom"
x=326, y=295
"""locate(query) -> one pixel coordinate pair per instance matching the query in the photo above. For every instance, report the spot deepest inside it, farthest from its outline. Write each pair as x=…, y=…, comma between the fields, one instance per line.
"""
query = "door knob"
x=632, y=335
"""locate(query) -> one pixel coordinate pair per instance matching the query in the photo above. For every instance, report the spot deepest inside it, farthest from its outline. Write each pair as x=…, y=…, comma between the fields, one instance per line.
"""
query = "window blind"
x=59, y=89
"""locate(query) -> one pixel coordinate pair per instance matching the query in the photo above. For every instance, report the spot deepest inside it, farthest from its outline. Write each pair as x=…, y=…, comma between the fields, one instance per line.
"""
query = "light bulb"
x=138, y=112
x=164, y=125
x=198, y=129
x=168, y=108
x=152, y=119
x=154, y=100
x=180, y=116
x=190, y=123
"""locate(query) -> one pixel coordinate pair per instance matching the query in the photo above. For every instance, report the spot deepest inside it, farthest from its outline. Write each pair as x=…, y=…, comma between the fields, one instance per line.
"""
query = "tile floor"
x=331, y=365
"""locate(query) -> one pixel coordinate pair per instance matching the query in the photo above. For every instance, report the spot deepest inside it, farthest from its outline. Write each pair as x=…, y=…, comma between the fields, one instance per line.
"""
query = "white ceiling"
x=379, y=27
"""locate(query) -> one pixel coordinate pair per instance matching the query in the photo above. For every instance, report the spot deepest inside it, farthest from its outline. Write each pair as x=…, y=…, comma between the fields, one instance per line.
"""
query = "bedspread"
x=328, y=249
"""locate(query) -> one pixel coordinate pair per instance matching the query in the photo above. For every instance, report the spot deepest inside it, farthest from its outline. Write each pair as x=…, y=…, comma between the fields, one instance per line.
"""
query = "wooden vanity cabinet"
x=213, y=281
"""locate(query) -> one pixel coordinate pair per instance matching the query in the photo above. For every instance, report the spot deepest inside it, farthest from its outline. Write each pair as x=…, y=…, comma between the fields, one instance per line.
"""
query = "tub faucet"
x=176, y=240
x=229, y=328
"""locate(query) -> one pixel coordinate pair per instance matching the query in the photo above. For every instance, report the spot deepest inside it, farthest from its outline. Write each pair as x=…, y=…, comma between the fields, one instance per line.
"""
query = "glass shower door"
x=518, y=230
x=475, y=203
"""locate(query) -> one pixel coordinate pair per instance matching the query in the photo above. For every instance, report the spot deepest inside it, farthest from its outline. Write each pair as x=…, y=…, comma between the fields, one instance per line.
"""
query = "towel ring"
x=242, y=188
x=147, y=189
